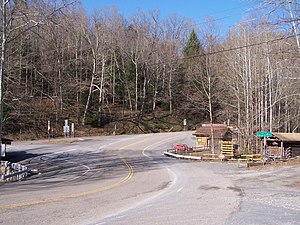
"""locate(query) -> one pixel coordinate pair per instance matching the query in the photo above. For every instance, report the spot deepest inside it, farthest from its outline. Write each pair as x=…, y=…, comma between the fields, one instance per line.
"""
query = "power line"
x=222, y=11
x=232, y=49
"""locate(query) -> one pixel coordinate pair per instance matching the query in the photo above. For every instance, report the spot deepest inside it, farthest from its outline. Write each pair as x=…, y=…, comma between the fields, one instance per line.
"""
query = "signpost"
x=72, y=130
x=184, y=124
x=49, y=130
x=264, y=135
x=66, y=129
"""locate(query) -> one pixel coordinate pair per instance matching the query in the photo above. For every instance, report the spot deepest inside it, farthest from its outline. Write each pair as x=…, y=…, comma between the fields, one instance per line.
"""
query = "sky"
x=225, y=12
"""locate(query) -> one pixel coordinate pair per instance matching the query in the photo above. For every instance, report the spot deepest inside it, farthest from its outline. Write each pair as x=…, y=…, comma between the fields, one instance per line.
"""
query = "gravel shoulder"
x=270, y=196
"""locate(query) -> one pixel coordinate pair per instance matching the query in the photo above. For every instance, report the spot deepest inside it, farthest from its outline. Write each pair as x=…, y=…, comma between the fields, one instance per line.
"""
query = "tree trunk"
x=136, y=85
x=101, y=92
x=170, y=94
x=90, y=91
x=144, y=93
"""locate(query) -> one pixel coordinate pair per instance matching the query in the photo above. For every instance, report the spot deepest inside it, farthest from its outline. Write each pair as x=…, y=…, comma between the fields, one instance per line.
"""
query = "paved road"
x=126, y=180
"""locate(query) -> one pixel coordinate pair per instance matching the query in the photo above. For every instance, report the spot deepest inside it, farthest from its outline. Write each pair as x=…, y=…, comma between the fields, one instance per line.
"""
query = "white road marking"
x=162, y=141
x=87, y=167
x=180, y=189
x=115, y=142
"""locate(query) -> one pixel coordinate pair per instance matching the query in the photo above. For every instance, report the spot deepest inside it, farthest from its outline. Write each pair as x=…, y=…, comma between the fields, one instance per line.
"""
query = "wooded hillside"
x=144, y=72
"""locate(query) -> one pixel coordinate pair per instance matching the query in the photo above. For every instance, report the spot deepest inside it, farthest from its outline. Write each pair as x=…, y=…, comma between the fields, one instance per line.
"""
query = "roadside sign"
x=264, y=134
x=2, y=151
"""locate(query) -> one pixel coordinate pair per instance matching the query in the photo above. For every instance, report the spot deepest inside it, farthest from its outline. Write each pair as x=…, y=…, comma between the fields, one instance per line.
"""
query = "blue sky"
x=226, y=12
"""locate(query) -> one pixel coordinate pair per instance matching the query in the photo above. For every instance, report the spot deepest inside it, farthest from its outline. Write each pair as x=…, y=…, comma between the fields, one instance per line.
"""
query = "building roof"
x=205, y=130
x=287, y=136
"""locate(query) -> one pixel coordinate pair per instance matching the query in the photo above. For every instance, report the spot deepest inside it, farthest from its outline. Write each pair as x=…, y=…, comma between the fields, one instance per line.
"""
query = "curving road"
x=126, y=180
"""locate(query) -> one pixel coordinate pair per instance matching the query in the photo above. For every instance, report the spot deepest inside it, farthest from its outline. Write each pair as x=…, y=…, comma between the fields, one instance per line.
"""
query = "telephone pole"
x=3, y=51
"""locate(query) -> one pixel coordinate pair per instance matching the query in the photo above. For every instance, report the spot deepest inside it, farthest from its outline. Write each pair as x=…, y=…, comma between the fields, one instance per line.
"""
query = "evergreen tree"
x=194, y=71
x=193, y=46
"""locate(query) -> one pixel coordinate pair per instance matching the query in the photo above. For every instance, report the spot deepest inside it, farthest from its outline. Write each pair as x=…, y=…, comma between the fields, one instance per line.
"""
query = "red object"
x=181, y=147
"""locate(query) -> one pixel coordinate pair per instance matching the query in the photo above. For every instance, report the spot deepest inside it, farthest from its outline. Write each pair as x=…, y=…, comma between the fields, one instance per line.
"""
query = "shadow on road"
x=18, y=156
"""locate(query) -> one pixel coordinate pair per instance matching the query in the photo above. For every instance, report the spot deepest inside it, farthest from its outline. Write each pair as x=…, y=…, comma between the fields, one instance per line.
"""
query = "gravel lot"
x=269, y=196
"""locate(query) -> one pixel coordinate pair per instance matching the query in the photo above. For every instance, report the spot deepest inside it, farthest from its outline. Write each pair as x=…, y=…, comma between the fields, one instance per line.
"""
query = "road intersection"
x=127, y=180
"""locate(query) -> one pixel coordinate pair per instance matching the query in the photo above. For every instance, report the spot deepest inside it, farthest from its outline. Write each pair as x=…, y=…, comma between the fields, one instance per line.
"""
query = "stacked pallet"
x=227, y=149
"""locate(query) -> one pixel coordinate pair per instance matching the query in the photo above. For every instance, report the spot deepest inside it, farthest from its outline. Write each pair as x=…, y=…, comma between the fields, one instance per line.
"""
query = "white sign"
x=2, y=150
x=72, y=128
x=66, y=129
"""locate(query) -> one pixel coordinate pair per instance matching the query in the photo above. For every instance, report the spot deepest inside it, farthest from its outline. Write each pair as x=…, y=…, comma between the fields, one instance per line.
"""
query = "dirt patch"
x=163, y=186
x=238, y=190
x=207, y=187
x=295, y=184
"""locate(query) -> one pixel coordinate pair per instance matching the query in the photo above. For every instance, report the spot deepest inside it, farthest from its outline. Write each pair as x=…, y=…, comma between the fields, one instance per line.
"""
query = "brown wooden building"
x=203, y=134
x=284, y=145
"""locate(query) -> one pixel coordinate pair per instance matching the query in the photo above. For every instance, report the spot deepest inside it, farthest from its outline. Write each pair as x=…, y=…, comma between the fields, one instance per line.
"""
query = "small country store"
x=280, y=145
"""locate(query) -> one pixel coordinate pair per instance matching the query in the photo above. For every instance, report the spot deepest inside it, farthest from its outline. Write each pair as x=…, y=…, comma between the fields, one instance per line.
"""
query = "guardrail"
x=170, y=154
x=13, y=171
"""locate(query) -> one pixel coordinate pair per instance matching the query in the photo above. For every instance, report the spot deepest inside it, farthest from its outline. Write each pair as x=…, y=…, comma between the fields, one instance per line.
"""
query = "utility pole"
x=294, y=26
x=3, y=51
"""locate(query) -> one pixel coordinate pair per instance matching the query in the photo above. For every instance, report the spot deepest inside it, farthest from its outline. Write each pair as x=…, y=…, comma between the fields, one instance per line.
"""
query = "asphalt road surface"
x=127, y=180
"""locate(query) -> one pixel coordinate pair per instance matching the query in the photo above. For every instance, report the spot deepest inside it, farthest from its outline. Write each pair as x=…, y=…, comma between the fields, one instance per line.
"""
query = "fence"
x=12, y=171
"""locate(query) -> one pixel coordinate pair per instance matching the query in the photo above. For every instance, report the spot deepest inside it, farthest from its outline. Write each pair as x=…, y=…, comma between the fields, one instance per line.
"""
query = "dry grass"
x=290, y=162
x=61, y=141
